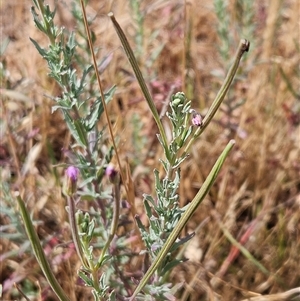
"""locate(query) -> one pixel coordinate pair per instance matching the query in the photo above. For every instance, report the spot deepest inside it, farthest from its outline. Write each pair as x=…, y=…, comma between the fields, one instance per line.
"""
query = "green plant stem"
x=39, y=252
x=115, y=221
x=243, y=47
x=74, y=231
x=141, y=81
x=185, y=217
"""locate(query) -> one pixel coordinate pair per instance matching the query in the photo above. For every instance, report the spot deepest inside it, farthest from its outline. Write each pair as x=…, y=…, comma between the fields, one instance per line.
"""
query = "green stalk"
x=115, y=221
x=184, y=218
x=39, y=252
x=243, y=47
x=141, y=81
x=74, y=231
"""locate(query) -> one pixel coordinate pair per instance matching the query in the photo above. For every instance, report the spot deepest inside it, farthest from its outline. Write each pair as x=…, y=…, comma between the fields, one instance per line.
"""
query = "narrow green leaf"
x=85, y=278
x=169, y=266
x=39, y=252
x=243, y=47
x=41, y=50
x=81, y=132
x=97, y=109
x=141, y=81
x=73, y=128
x=182, y=241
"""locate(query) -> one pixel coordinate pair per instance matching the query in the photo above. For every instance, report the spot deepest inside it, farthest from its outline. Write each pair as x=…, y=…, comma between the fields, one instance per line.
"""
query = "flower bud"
x=112, y=174
x=178, y=99
x=72, y=173
x=197, y=119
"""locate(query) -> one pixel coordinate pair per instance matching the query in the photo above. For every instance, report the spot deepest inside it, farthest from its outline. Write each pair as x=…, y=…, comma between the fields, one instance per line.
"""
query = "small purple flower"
x=72, y=174
x=111, y=173
x=197, y=119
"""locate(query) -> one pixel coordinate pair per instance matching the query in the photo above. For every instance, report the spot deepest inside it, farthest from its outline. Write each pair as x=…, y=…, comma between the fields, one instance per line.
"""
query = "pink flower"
x=72, y=174
x=112, y=173
x=197, y=119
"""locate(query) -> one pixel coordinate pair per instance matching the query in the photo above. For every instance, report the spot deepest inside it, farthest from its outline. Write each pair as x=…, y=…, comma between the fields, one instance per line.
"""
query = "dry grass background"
x=257, y=196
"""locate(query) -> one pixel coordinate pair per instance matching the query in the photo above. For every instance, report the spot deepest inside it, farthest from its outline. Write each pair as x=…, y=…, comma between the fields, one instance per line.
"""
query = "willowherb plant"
x=104, y=254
